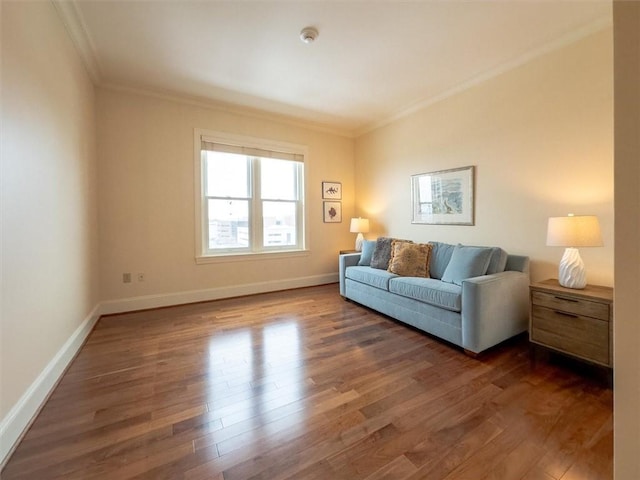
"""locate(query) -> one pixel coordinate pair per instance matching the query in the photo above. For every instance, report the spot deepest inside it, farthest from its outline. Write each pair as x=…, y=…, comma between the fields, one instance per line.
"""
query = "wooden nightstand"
x=576, y=322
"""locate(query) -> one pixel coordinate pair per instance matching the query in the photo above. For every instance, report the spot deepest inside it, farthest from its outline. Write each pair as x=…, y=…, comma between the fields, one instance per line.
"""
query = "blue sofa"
x=473, y=313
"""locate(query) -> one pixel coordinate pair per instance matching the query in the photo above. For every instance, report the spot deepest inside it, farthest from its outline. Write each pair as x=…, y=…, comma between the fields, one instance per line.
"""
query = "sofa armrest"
x=494, y=308
x=346, y=260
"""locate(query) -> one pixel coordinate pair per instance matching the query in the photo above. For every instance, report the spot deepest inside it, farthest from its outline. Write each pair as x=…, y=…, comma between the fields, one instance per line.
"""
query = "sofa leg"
x=471, y=354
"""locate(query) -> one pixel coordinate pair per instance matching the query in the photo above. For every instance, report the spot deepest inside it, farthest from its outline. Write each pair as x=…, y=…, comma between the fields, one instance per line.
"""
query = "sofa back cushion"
x=517, y=263
x=440, y=256
x=467, y=262
x=498, y=261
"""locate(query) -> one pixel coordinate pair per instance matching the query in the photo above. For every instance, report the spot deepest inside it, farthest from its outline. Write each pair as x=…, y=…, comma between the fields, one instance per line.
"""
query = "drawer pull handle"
x=567, y=299
x=566, y=314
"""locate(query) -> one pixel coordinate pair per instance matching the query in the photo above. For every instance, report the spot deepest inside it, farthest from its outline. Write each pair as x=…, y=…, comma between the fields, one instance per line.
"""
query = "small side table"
x=574, y=322
x=343, y=252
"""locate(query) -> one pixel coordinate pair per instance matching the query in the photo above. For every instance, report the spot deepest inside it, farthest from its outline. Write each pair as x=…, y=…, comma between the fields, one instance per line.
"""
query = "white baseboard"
x=193, y=296
x=16, y=422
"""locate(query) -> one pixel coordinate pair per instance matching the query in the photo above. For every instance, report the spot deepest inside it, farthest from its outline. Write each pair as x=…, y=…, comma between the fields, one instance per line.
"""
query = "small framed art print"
x=331, y=191
x=332, y=212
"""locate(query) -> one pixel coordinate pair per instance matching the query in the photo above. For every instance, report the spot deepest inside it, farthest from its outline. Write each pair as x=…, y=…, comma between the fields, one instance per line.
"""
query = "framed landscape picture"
x=332, y=212
x=331, y=191
x=443, y=198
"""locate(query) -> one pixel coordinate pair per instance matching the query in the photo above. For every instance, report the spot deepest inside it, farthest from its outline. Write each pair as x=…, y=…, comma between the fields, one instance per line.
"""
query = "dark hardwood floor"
x=304, y=385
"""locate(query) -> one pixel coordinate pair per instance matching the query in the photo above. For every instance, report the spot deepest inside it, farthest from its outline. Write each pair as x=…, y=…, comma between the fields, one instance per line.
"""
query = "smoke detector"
x=308, y=34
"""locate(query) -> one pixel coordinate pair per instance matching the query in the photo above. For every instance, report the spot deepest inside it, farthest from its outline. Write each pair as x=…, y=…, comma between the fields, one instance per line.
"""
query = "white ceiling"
x=372, y=61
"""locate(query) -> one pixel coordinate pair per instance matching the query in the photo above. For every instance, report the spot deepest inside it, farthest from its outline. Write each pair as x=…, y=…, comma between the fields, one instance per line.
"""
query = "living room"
x=109, y=172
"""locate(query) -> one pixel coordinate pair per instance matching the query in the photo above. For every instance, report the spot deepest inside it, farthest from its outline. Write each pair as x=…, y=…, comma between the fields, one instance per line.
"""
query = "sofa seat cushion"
x=370, y=276
x=429, y=290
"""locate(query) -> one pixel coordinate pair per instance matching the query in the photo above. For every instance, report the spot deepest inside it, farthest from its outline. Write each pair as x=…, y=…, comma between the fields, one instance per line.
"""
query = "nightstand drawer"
x=571, y=305
x=578, y=335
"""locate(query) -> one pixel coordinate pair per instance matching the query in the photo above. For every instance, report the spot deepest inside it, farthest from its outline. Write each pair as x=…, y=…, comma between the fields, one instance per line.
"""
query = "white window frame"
x=202, y=253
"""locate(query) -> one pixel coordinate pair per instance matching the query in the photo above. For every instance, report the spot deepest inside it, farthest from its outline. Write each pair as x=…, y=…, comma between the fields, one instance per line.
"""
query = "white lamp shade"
x=359, y=225
x=574, y=231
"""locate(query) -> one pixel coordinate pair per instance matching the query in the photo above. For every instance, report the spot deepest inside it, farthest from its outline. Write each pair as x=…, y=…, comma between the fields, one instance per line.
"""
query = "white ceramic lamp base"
x=571, y=273
x=359, y=240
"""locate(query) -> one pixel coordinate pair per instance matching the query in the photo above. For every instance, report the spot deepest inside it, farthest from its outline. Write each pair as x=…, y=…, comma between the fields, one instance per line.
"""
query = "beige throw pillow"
x=410, y=259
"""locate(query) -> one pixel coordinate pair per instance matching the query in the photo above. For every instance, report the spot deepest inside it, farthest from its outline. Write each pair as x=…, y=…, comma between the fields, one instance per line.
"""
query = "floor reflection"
x=256, y=376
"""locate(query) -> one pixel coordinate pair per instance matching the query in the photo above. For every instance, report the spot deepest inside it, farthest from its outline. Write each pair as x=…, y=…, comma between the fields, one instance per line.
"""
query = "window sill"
x=251, y=257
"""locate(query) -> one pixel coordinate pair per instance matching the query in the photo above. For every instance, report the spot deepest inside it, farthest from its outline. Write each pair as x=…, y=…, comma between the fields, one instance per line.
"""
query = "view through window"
x=252, y=200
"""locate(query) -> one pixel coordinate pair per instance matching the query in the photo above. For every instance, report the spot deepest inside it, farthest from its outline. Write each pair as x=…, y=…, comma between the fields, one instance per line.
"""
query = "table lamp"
x=359, y=226
x=573, y=231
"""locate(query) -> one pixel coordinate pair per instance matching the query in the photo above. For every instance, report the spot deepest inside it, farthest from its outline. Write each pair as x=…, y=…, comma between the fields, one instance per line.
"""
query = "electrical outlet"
x=141, y=277
x=126, y=278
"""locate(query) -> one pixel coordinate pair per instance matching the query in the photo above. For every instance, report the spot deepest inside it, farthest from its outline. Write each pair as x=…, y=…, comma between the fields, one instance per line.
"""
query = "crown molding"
x=230, y=108
x=73, y=22
x=558, y=43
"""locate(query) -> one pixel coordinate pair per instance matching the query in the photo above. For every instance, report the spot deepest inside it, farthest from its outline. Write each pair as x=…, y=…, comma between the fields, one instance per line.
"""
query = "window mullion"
x=257, y=241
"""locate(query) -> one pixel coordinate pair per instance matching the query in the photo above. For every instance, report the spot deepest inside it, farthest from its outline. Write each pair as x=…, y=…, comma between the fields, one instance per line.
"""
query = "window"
x=250, y=196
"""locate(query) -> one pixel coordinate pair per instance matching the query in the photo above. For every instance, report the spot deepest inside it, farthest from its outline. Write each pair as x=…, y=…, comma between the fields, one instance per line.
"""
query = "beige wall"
x=147, y=220
x=49, y=200
x=541, y=138
x=627, y=258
